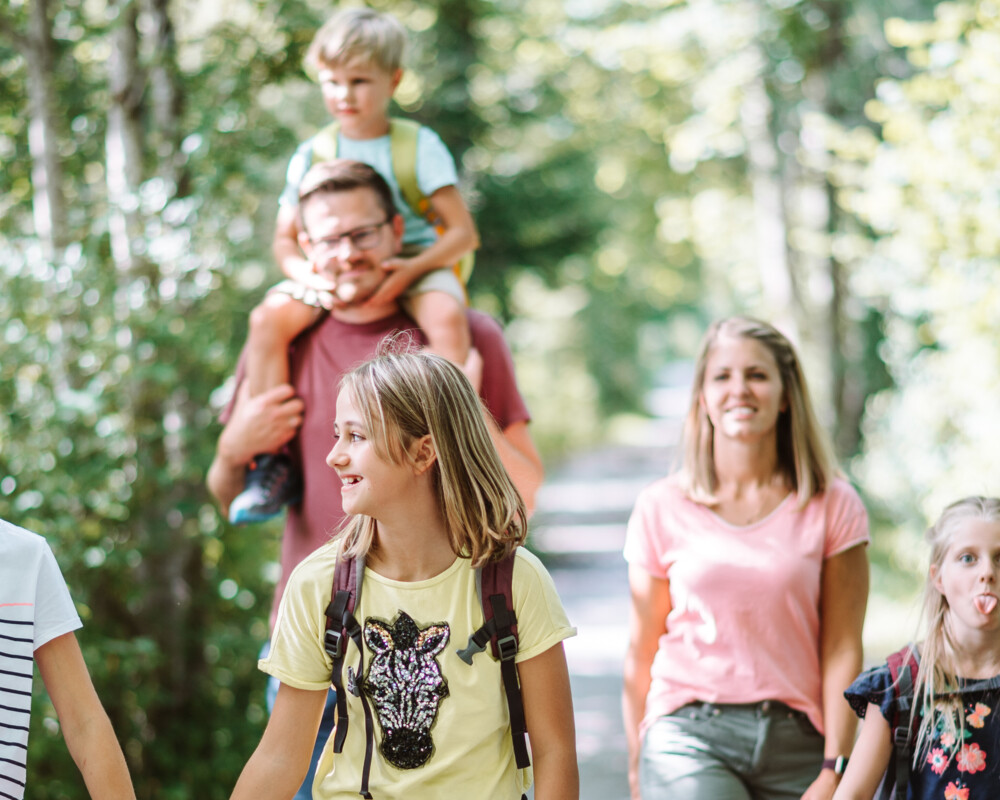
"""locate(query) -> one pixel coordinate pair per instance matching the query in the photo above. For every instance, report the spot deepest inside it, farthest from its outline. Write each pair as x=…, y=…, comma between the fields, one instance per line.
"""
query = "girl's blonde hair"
x=805, y=456
x=405, y=395
x=359, y=33
x=936, y=687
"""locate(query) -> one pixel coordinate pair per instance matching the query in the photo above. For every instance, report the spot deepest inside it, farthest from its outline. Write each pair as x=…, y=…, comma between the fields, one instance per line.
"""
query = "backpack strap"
x=903, y=668
x=341, y=625
x=494, y=585
x=325, y=143
x=403, y=135
x=403, y=147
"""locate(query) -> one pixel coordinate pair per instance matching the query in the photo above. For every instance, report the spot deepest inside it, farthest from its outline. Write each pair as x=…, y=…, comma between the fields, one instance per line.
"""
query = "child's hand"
x=307, y=273
x=398, y=279
x=319, y=281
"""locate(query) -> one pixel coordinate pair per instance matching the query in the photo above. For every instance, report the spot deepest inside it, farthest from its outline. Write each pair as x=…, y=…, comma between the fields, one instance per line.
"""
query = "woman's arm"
x=647, y=623
x=548, y=712
x=843, y=600
x=869, y=760
x=85, y=724
x=280, y=762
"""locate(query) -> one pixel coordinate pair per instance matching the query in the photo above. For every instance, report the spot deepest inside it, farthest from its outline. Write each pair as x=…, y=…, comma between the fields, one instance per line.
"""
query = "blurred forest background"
x=636, y=169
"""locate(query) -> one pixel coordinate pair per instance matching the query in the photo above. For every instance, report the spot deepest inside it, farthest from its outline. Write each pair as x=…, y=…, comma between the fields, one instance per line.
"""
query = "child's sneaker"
x=272, y=483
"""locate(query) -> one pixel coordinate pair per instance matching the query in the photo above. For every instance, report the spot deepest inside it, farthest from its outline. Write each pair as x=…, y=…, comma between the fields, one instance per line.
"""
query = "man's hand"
x=261, y=424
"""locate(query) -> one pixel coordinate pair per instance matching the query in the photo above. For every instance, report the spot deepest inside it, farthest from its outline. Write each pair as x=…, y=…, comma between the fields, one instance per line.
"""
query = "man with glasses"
x=349, y=227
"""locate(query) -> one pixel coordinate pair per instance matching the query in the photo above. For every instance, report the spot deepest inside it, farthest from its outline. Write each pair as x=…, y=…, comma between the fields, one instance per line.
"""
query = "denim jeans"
x=325, y=728
x=763, y=751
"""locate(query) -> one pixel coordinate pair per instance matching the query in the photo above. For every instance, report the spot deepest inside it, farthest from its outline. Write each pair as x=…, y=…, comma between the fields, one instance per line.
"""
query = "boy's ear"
x=422, y=454
x=397, y=76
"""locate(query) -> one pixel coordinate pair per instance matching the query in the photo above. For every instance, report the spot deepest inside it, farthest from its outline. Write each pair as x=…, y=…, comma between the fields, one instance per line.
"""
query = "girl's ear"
x=422, y=454
x=934, y=575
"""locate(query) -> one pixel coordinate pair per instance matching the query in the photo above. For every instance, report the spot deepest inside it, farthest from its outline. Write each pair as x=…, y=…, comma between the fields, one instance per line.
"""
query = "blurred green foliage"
x=636, y=169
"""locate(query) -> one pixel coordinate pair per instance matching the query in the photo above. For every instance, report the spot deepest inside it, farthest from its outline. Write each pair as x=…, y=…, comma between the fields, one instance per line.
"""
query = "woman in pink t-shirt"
x=749, y=582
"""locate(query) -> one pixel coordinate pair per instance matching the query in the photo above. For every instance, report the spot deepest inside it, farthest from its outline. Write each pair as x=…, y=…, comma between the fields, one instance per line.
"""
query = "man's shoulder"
x=484, y=324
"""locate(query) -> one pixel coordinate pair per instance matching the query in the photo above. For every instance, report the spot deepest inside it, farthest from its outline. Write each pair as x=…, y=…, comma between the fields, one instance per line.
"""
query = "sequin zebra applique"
x=405, y=685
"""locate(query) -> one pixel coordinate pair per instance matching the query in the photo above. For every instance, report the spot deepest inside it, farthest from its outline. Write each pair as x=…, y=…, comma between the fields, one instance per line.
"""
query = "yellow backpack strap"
x=403, y=145
x=325, y=143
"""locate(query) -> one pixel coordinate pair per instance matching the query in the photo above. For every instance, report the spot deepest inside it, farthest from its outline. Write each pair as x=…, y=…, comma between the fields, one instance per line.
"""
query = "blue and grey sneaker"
x=272, y=483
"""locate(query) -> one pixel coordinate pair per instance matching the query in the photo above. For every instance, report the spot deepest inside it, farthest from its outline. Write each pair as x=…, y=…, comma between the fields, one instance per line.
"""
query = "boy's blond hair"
x=404, y=394
x=358, y=33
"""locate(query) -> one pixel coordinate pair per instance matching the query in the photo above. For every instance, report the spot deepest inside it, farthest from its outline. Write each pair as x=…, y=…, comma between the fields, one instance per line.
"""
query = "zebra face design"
x=405, y=685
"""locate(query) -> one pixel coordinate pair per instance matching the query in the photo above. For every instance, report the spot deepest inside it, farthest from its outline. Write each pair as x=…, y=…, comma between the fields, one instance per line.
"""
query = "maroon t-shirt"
x=319, y=358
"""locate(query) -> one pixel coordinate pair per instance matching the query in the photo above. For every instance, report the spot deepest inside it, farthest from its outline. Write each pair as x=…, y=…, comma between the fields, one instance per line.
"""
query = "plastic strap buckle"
x=333, y=643
x=507, y=647
x=901, y=737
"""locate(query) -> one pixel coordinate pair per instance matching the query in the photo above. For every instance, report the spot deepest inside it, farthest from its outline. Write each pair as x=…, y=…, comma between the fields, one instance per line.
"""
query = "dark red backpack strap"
x=494, y=583
x=341, y=625
x=497, y=579
x=903, y=667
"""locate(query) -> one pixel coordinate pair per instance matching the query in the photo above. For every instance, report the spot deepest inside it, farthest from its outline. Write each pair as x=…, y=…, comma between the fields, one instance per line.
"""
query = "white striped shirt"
x=35, y=607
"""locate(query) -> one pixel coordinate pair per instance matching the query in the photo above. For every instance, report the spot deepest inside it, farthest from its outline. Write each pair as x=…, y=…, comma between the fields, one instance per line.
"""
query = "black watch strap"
x=838, y=764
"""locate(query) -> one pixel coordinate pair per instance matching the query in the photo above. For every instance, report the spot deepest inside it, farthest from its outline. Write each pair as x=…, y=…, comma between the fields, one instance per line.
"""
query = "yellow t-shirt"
x=447, y=722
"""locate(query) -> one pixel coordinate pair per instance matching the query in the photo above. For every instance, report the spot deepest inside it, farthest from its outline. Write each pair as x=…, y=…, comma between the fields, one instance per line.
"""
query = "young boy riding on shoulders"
x=356, y=58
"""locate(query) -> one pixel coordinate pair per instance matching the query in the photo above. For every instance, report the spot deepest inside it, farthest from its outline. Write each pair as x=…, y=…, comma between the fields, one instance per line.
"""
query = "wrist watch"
x=838, y=764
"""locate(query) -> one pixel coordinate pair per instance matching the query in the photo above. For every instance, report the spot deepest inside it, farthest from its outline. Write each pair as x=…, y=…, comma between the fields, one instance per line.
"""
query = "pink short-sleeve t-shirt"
x=744, y=621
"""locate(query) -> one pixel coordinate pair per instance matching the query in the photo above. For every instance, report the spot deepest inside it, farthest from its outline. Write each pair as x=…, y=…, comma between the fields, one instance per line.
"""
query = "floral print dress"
x=966, y=770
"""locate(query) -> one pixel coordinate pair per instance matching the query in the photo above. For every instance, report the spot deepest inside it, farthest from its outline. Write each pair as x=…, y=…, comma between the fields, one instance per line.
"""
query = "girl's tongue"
x=985, y=603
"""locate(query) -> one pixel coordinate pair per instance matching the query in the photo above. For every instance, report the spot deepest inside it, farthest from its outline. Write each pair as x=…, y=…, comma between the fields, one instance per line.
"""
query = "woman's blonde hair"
x=403, y=395
x=804, y=453
x=936, y=687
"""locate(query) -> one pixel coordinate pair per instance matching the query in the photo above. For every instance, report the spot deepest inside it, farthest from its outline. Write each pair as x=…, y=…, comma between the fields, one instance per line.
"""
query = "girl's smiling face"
x=370, y=484
x=967, y=576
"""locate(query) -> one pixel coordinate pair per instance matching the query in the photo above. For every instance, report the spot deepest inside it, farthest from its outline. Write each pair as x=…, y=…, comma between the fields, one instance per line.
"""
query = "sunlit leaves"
x=929, y=189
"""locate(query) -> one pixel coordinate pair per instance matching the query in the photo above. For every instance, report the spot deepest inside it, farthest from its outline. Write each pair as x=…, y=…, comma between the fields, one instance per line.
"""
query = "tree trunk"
x=777, y=281
x=49, y=206
x=124, y=148
x=165, y=95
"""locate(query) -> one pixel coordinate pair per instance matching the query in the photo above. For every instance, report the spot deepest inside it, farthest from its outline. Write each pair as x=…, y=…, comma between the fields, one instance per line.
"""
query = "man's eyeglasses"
x=367, y=237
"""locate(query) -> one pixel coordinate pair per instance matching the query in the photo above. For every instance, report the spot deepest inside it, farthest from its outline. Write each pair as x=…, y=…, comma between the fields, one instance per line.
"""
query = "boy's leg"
x=437, y=304
x=274, y=324
x=272, y=480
